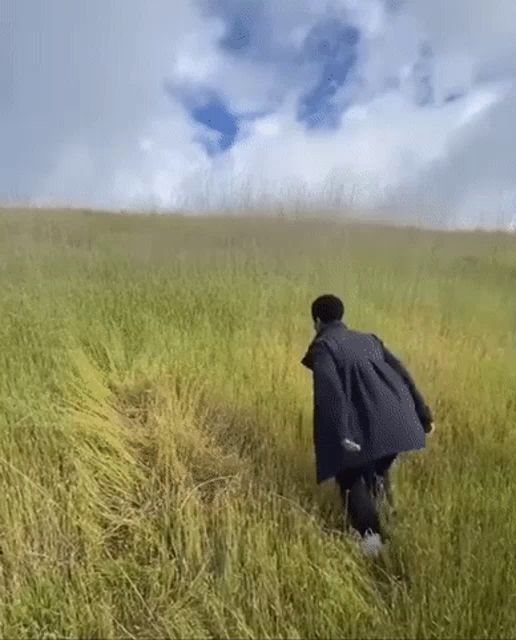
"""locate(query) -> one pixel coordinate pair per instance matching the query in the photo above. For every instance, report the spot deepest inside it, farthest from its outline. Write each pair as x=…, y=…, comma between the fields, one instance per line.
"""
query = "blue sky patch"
x=246, y=33
x=238, y=35
x=215, y=115
x=333, y=45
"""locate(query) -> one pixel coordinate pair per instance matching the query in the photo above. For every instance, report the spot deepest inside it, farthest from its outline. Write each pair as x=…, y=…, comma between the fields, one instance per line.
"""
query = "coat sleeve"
x=423, y=410
x=329, y=398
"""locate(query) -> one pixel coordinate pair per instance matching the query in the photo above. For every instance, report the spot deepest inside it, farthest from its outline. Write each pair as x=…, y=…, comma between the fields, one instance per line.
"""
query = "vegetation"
x=156, y=463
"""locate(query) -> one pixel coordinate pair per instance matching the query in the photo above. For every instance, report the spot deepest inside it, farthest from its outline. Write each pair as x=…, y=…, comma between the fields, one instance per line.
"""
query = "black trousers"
x=360, y=490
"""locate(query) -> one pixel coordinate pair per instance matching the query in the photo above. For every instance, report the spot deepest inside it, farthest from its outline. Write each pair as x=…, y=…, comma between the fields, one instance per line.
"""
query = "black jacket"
x=361, y=392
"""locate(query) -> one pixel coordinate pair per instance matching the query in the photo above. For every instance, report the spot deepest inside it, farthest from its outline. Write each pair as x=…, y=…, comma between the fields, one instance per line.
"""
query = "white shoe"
x=372, y=544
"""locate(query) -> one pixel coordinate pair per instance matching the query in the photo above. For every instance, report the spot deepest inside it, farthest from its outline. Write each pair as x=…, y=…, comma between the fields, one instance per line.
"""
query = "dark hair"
x=328, y=308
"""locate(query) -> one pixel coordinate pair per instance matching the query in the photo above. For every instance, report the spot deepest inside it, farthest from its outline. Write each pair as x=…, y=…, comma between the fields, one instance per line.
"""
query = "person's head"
x=326, y=309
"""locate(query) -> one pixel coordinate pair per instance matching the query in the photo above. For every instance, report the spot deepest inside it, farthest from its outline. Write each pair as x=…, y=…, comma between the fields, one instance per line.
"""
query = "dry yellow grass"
x=156, y=467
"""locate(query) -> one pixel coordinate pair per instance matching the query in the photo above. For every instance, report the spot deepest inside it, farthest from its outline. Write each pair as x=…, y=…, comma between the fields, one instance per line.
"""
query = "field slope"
x=156, y=469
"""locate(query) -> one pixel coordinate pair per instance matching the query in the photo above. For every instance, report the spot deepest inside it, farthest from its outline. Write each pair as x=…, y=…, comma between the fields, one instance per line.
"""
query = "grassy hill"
x=156, y=465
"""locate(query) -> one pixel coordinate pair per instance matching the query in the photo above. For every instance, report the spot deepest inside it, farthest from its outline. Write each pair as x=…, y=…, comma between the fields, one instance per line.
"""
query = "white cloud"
x=87, y=83
x=476, y=178
x=84, y=118
x=382, y=144
x=487, y=30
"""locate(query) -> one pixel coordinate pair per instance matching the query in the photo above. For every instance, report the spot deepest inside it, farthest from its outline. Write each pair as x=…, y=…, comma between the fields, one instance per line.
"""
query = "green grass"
x=156, y=465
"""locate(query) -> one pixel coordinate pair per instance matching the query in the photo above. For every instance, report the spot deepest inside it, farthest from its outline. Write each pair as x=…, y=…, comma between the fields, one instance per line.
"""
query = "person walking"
x=367, y=410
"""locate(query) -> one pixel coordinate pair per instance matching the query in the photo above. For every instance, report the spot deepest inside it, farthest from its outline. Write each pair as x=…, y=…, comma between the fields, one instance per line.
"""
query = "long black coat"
x=364, y=393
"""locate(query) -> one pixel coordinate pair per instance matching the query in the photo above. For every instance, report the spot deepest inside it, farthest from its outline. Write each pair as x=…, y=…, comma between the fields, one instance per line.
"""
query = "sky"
x=404, y=107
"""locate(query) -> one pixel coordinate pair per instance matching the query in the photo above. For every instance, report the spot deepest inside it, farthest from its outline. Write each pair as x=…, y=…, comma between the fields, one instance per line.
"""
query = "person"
x=367, y=410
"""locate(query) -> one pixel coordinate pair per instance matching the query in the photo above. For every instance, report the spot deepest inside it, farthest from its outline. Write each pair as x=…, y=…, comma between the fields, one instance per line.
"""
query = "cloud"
x=87, y=85
x=486, y=32
x=167, y=104
x=476, y=177
x=333, y=45
x=373, y=152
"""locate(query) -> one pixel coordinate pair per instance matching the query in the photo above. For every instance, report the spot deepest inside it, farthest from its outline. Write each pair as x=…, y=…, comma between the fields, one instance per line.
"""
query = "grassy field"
x=156, y=464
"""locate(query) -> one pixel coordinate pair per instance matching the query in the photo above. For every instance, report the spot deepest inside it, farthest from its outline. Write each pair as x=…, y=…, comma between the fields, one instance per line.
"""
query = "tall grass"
x=156, y=465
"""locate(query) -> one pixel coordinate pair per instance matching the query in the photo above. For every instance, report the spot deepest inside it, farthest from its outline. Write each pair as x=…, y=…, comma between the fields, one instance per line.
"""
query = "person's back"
x=382, y=411
x=367, y=408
